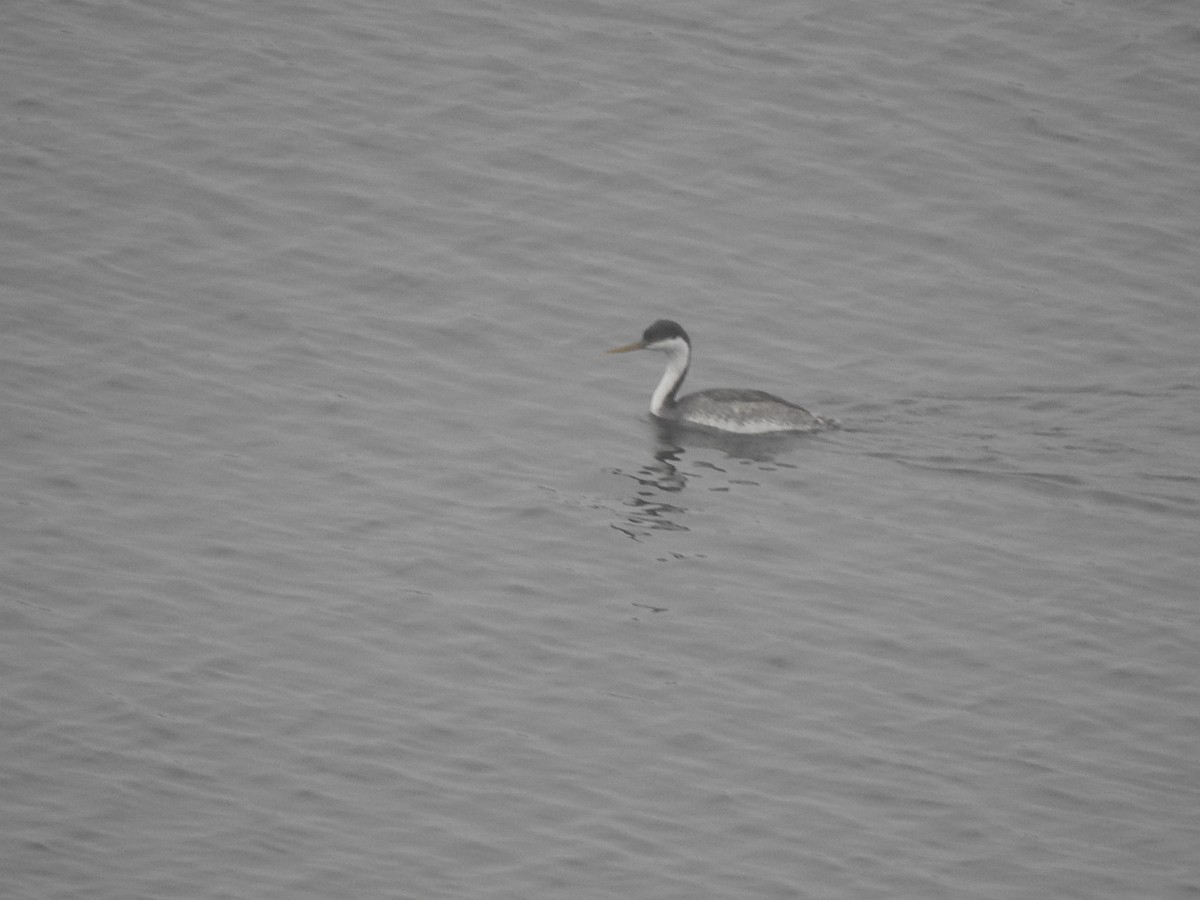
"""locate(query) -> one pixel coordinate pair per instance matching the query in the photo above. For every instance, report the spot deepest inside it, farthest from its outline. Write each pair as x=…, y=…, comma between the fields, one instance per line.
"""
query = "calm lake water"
x=336, y=559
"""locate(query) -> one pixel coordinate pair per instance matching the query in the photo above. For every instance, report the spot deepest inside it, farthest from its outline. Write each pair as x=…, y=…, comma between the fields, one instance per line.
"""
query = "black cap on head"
x=662, y=330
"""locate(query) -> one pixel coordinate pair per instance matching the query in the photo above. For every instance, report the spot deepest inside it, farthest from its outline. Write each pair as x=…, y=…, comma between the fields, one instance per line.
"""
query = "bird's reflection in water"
x=656, y=504
x=649, y=509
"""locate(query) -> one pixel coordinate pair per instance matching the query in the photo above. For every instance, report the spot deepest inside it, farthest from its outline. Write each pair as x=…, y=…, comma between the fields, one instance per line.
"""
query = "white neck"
x=678, y=358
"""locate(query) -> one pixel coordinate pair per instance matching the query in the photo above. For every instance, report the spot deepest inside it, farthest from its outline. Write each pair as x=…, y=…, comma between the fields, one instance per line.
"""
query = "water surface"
x=338, y=561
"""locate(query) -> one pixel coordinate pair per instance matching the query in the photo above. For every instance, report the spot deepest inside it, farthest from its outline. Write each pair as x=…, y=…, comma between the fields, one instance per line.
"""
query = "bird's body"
x=725, y=409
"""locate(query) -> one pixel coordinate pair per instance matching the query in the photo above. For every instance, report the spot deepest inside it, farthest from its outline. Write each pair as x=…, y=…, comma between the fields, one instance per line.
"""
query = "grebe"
x=725, y=409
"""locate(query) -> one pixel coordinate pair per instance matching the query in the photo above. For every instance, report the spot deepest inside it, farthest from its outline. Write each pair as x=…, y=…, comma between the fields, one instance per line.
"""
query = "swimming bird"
x=724, y=409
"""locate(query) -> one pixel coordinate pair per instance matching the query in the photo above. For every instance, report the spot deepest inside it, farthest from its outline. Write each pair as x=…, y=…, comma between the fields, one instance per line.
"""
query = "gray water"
x=338, y=561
